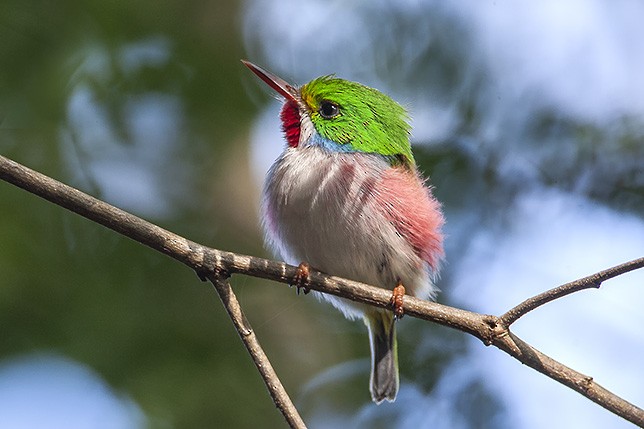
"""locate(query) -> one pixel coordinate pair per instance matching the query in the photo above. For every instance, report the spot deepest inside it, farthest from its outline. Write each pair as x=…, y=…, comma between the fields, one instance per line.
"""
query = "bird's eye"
x=329, y=110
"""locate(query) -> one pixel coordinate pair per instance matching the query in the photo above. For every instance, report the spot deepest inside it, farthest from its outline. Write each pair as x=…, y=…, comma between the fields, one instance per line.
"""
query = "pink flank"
x=414, y=212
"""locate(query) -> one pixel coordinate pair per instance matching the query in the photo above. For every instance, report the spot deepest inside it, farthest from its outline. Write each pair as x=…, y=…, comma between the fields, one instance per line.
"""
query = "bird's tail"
x=384, y=356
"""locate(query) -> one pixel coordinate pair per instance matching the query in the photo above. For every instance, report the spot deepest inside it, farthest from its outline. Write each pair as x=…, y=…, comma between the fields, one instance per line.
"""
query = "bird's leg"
x=301, y=279
x=397, y=300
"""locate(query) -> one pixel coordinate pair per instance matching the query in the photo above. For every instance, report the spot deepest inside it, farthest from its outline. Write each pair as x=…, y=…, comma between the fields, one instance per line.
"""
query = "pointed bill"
x=284, y=88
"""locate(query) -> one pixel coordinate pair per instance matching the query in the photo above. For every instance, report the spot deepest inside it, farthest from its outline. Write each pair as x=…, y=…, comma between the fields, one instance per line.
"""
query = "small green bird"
x=346, y=197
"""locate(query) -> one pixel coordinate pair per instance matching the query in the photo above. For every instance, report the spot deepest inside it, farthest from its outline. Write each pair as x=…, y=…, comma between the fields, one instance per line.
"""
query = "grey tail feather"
x=384, y=356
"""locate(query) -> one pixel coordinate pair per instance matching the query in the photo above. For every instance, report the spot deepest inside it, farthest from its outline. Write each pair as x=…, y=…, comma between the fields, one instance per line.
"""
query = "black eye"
x=329, y=110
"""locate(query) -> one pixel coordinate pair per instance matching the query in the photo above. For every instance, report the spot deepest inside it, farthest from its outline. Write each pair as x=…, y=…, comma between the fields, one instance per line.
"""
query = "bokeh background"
x=529, y=119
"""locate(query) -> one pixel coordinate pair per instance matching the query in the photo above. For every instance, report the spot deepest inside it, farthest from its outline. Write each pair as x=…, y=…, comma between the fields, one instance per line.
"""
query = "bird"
x=346, y=198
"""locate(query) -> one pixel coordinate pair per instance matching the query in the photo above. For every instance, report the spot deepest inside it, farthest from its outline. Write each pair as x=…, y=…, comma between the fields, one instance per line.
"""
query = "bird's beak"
x=284, y=88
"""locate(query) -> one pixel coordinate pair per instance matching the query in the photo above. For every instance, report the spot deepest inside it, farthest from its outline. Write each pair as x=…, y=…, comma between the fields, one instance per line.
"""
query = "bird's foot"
x=397, y=300
x=301, y=279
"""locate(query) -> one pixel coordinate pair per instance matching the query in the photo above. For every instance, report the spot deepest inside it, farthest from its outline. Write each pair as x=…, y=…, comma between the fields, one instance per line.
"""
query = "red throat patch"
x=290, y=117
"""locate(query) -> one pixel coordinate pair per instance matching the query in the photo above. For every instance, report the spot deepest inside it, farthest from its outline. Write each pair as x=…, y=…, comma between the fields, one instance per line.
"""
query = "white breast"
x=318, y=207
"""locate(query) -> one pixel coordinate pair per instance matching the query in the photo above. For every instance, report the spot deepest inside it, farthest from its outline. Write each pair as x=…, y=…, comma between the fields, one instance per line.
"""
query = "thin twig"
x=209, y=262
x=592, y=281
x=275, y=388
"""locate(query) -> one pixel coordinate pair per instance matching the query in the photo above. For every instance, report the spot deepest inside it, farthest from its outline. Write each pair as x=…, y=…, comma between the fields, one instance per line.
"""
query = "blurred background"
x=529, y=120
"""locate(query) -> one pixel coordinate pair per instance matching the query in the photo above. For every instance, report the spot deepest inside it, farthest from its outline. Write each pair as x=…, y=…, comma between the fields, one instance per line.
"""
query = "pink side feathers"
x=414, y=212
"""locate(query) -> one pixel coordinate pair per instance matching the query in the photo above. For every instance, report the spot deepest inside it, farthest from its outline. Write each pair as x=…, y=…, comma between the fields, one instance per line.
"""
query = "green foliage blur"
x=67, y=286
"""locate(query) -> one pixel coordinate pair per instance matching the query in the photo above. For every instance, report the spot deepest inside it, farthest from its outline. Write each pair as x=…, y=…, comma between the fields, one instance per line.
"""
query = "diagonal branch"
x=275, y=388
x=592, y=281
x=215, y=264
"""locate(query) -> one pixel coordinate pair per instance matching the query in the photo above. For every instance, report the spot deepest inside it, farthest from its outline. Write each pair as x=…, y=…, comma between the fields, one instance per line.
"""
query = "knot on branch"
x=596, y=282
x=587, y=384
x=497, y=330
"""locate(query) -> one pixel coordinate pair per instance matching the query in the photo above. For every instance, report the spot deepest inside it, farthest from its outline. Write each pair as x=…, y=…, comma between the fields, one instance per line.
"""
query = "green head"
x=342, y=116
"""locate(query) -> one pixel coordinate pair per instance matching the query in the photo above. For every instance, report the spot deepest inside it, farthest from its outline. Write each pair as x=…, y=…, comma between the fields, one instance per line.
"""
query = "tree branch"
x=213, y=264
x=592, y=281
x=275, y=388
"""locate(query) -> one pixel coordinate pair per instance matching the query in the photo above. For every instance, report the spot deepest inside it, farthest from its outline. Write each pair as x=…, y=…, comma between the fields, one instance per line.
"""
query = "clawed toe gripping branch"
x=216, y=266
x=301, y=279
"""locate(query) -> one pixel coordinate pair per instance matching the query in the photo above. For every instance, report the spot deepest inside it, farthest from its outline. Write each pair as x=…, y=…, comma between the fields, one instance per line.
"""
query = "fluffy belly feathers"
x=333, y=211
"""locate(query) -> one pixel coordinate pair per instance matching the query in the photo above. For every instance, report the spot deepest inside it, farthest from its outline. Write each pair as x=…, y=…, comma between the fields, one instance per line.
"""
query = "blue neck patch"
x=317, y=140
x=331, y=146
